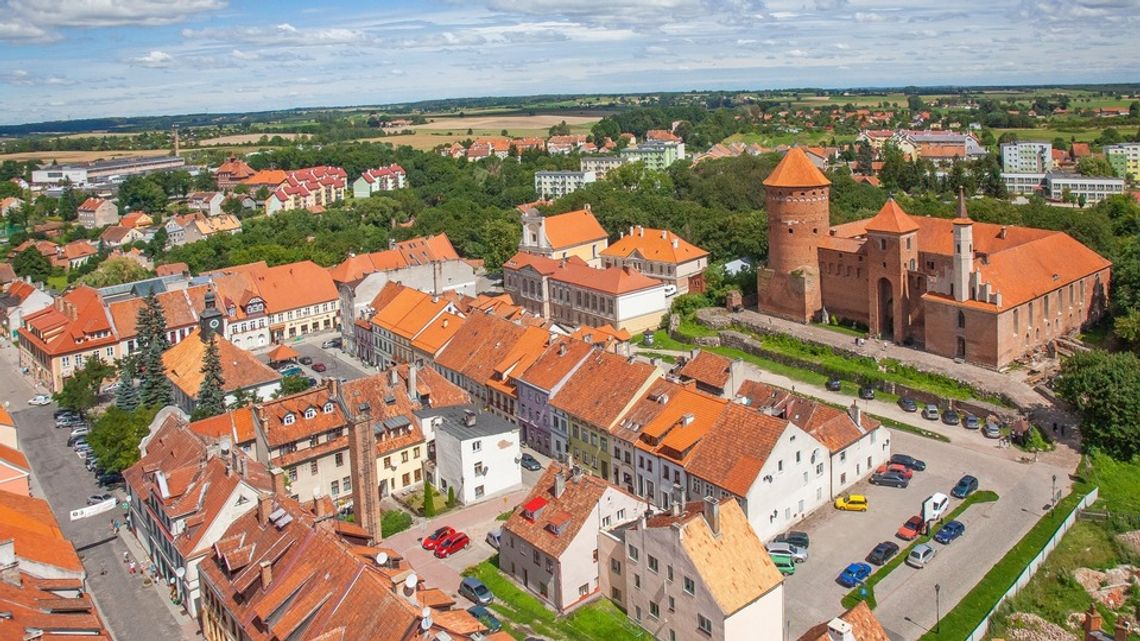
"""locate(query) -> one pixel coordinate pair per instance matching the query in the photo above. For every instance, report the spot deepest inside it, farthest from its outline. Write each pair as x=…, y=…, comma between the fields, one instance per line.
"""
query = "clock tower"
x=211, y=320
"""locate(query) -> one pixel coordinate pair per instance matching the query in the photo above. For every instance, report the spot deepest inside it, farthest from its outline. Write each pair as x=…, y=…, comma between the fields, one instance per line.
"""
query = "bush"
x=429, y=500
x=451, y=497
x=394, y=521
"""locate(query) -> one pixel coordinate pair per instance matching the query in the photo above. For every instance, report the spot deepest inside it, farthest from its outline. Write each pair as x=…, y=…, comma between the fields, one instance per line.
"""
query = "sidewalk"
x=188, y=626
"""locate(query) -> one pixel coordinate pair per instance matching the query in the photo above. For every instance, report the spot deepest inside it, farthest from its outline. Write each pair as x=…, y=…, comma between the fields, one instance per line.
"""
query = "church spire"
x=962, y=213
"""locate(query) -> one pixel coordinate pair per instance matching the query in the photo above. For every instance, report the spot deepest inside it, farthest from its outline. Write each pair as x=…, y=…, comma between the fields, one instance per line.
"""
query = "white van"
x=935, y=506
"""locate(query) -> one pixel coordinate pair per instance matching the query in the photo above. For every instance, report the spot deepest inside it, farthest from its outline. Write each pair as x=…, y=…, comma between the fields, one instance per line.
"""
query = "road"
x=132, y=611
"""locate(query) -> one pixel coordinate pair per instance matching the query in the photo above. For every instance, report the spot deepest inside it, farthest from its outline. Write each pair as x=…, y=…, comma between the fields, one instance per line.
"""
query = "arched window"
x=961, y=320
x=310, y=412
x=289, y=419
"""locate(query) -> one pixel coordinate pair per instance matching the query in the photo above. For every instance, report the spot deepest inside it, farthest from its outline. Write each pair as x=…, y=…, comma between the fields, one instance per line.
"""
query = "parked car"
x=109, y=478
x=897, y=468
x=40, y=399
x=82, y=450
x=70, y=420
x=917, y=465
x=852, y=503
x=96, y=499
x=971, y=422
x=908, y=404
x=920, y=556
x=306, y=360
x=909, y=530
x=435, y=538
x=319, y=367
x=798, y=554
x=72, y=441
x=82, y=430
x=854, y=574
x=949, y=532
x=834, y=384
x=495, y=537
x=938, y=503
x=951, y=417
x=290, y=370
x=485, y=617
x=966, y=486
x=784, y=563
x=452, y=544
x=930, y=412
x=866, y=392
x=991, y=430
x=475, y=591
x=332, y=342
x=883, y=552
x=63, y=411
x=796, y=538
x=890, y=479
x=528, y=462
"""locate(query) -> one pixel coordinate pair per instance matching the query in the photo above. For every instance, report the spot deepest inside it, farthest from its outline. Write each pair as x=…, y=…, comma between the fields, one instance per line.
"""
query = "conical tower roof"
x=795, y=170
x=891, y=219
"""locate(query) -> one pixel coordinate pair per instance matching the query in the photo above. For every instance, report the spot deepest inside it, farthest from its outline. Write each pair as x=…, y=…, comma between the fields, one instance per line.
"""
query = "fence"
x=979, y=632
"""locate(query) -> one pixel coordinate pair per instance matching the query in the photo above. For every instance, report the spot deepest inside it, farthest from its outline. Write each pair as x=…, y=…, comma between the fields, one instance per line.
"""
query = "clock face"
x=214, y=323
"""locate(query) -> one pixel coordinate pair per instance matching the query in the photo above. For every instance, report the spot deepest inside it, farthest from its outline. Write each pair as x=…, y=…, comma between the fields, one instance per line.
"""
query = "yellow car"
x=852, y=503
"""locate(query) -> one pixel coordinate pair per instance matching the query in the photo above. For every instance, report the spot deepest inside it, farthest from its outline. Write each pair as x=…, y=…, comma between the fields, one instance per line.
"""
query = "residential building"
x=10, y=203
x=956, y=288
x=570, y=292
x=657, y=155
x=585, y=413
x=300, y=298
x=696, y=572
x=1125, y=159
x=206, y=202
x=556, y=184
x=387, y=178
x=856, y=624
x=94, y=213
x=404, y=315
x=1024, y=157
x=247, y=318
x=235, y=425
x=541, y=380
x=711, y=373
x=562, y=145
x=232, y=172
x=550, y=542
x=15, y=471
x=136, y=220
x=575, y=233
x=1090, y=189
x=476, y=453
x=183, y=493
x=600, y=165
x=268, y=179
x=180, y=308
x=117, y=236
x=74, y=255
x=662, y=255
x=56, y=341
x=312, y=188
x=21, y=300
x=201, y=227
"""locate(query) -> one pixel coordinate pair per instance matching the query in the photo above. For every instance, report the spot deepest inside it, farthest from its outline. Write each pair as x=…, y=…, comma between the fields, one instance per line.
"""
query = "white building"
x=600, y=165
x=53, y=175
x=1093, y=188
x=476, y=453
x=550, y=543
x=1026, y=157
x=556, y=184
x=694, y=573
x=1023, y=183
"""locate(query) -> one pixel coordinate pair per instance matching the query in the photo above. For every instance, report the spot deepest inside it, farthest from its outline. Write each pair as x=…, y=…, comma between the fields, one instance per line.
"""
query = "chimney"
x=1121, y=631
x=559, y=484
x=9, y=566
x=469, y=418
x=266, y=573
x=562, y=349
x=393, y=377
x=1002, y=232
x=278, y=475
x=855, y=413
x=264, y=507
x=413, y=389
x=712, y=514
x=587, y=208
x=1092, y=622
x=664, y=234
x=839, y=630
x=676, y=243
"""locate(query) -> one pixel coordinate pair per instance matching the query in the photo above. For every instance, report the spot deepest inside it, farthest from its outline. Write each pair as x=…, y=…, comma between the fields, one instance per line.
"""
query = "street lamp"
x=937, y=609
x=1053, y=496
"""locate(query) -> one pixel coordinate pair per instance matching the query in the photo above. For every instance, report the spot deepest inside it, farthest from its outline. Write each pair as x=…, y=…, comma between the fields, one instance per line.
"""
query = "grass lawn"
x=58, y=283
x=843, y=329
x=523, y=614
x=668, y=358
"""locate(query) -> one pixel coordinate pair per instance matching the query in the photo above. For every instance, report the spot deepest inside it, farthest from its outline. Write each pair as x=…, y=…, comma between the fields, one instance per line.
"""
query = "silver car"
x=798, y=554
x=920, y=556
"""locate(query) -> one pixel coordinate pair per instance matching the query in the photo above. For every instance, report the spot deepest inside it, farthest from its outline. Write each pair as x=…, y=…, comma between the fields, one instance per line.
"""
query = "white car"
x=920, y=556
x=40, y=399
x=798, y=554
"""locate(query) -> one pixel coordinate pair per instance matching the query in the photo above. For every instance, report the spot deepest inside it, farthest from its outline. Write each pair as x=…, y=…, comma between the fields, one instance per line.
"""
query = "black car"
x=306, y=360
x=908, y=404
x=528, y=462
x=883, y=552
x=796, y=538
x=834, y=384
x=950, y=417
x=909, y=461
x=866, y=392
x=890, y=479
x=110, y=478
x=966, y=486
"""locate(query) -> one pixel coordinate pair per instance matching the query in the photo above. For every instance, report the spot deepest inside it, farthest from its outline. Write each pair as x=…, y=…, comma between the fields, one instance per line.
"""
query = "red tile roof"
x=572, y=229
x=659, y=245
x=864, y=626
x=795, y=170
x=891, y=219
x=611, y=280
x=708, y=368
x=734, y=450
x=571, y=510
x=240, y=369
x=271, y=415
x=29, y=522
x=602, y=405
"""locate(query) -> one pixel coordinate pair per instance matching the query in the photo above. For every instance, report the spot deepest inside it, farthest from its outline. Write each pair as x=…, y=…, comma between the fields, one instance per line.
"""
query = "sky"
x=65, y=59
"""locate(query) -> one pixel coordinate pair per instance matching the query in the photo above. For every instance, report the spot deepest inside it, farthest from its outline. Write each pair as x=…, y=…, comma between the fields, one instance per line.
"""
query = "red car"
x=451, y=545
x=319, y=367
x=910, y=529
x=901, y=470
x=437, y=537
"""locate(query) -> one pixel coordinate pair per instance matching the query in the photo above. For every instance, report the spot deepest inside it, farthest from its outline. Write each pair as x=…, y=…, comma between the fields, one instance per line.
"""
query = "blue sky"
x=89, y=58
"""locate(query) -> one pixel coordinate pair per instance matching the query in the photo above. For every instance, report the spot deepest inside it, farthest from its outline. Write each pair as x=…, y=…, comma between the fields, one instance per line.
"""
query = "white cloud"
x=842, y=45
x=283, y=34
x=38, y=20
x=867, y=16
x=155, y=59
x=22, y=78
x=13, y=30
x=238, y=54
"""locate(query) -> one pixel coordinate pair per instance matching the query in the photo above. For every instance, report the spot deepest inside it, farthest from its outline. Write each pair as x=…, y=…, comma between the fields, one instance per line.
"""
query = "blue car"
x=854, y=574
x=485, y=617
x=949, y=532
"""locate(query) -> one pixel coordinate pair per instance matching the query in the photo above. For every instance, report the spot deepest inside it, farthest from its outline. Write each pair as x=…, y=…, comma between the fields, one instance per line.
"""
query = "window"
x=346, y=483
x=311, y=412
x=476, y=446
x=479, y=491
x=550, y=564
x=669, y=573
x=606, y=521
x=632, y=553
x=883, y=244
x=314, y=440
x=289, y=419
x=404, y=456
x=780, y=465
x=961, y=320
x=690, y=586
x=293, y=474
x=672, y=604
x=328, y=408
x=615, y=566
x=654, y=610
x=621, y=514
x=652, y=564
x=313, y=468
x=637, y=581
x=339, y=458
x=703, y=624
x=416, y=452
x=334, y=488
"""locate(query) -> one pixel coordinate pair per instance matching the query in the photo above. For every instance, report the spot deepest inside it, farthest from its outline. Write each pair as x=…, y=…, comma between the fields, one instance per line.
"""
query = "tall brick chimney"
x=362, y=458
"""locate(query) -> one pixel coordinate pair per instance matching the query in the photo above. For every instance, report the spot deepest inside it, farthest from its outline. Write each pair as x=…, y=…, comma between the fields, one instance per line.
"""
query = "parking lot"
x=337, y=363
x=906, y=597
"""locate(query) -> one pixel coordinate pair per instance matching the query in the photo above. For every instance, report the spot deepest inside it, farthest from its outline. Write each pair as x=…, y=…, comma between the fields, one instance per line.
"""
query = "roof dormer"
x=289, y=418
x=328, y=409
x=310, y=412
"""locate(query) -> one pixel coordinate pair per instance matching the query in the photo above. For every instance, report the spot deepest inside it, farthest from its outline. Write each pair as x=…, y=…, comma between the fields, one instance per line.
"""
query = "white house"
x=694, y=573
x=556, y=184
x=550, y=543
x=476, y=453
x=19, y=301
x=207, y=202
x=371, y=181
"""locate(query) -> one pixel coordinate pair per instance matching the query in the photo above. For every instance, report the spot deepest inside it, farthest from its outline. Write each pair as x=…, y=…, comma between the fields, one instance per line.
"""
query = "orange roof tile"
x=733, y=452
x=708, y=368
x=14, y=457
x=237, y=425
x=572, y=229
x=579, y=499
x=479, y=346
x=270, y=177
x=795, y=170
x=271, y=415
x=611, y=280
x=557, y=362
x=29, y=522
x=891, y=219
x=864, y=626
x=240, y=369
x=597, y=405
x=655, y=244
x=437, y=333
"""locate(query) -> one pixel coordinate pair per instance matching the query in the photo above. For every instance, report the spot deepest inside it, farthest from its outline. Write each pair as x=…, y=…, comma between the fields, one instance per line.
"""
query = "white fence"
x=979, y=632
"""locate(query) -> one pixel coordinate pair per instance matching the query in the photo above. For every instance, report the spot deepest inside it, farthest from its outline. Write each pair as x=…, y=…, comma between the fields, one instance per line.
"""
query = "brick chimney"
x=1121, y=631
x=712, y=514
x=362, y=458
x=264, y=507
x=559, y=484
x=278, y=475
x=1092, y=623
x=266, y=573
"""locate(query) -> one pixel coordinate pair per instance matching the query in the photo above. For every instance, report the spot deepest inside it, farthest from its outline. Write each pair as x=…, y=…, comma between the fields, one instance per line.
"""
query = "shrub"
x=429, y=499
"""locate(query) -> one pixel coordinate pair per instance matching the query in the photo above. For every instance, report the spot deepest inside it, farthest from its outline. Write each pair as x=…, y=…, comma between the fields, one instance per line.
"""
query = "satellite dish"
x=425, y=623
x=381, y=558
x=316, y=493
x=180, y=572
x=411, y=581
x=426, y=612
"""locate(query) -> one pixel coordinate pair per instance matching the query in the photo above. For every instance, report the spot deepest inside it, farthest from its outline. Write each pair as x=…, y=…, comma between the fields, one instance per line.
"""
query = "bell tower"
x=211, y=321
x=798, y=197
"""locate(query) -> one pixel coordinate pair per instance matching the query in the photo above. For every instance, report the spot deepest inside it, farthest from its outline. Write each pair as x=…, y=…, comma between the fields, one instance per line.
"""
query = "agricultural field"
x=63, y=157
x=245, y=139
x=508, y=122
x=804, y=137
x=1048, y=134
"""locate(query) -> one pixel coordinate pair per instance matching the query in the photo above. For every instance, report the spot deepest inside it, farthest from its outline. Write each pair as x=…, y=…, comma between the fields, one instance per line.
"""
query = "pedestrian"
x=131, y=567
x=126, y=557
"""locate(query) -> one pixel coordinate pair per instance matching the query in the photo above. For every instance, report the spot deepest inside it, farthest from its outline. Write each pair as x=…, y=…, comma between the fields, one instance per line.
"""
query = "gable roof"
x=709, y=368
x=479, y=345
x=573, y=228
x=31, y=525
x=833, y=427
x=891, y=219
x=734, y=450
x=415, y=251
x=575, y=271
x=864, y=626
x=796, y=170
x=580, y=497
x=659, y=245
x=556, y=362
x=240, y=369
x=237, y=425
x=271, y=415
x=602, y=405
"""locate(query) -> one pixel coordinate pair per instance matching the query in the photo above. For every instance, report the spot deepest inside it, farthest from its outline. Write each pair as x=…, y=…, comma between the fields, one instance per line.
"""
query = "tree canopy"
x=1105, y=389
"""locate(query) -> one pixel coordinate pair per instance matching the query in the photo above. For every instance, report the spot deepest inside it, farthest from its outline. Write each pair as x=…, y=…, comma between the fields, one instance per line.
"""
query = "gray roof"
x=452, y=422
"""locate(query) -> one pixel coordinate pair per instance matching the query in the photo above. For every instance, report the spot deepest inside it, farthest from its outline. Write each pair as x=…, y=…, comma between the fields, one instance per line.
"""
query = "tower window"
x=883, y=244
x=791, y=231
x=961, y=320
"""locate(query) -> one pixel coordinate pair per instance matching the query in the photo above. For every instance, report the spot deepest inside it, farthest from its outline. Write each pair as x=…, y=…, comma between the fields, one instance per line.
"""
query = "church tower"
x=797, y=197
x=963, y=252
x=211, y=321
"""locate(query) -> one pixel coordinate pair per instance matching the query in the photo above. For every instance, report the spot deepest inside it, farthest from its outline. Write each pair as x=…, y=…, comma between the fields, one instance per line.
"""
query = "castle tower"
x=892, y=251
x=797, y=196
x=963, y=251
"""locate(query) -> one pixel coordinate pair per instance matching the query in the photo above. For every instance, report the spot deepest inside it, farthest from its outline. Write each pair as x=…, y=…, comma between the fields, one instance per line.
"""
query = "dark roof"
x=486, y=424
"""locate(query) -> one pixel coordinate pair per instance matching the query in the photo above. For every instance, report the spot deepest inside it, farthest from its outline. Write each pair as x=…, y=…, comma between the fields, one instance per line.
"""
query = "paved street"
x=132, y=611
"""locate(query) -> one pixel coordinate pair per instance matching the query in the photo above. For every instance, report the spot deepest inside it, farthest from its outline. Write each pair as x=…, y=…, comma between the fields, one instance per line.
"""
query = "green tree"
x=429, y=499
x=451, y=502
x=1109, y=136
x=154, y=387
x=864, y=159
x=1134, y=109
x=292, y=384
x=126, y=394
x=1105, y=389
x=211, y=394
x=31, y=264
x=561, y=129
x=115, y=271
x=81, y=391
x=141, y=193
x=116, y=434
x=1095, y=166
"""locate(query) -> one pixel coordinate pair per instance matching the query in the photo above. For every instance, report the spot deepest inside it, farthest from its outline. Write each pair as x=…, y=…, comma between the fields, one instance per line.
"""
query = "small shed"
x=283, y=353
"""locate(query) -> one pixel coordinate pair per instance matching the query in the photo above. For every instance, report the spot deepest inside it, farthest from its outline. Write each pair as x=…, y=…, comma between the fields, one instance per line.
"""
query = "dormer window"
x=310, y=412
x=289, y=419
x=328, y=408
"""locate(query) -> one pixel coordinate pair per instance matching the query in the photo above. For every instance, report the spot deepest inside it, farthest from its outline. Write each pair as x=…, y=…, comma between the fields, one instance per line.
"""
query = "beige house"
x=96, y=212
x=575, y=233
x=662, y=255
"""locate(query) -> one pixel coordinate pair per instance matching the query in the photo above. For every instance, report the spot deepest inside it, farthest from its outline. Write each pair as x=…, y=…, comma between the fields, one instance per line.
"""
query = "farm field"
x=63, y=157
x=509, y=122
x=243, y=139
x=772, y=140
x=1048, y=134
